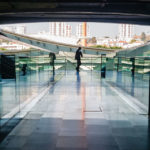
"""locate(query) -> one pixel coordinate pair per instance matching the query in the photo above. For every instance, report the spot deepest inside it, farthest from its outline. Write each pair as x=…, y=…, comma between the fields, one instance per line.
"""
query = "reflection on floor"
x=80, y=113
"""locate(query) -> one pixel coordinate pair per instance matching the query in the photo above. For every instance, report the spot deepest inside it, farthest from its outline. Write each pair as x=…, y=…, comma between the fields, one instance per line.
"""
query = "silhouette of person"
x=78, y=56
x=24, y=68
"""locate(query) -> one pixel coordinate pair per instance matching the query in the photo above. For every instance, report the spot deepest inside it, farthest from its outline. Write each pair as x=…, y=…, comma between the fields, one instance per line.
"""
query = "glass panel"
x=96, y=63
x=60, y=63
x=71, y=63
x=33, y=74
x=9, y=102
x=132, y=77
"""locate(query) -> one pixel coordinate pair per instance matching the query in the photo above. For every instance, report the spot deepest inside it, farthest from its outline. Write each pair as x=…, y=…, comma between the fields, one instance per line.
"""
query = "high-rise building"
x=68, y=30
x=126, y=31
x=60, y=29
x=79, y=30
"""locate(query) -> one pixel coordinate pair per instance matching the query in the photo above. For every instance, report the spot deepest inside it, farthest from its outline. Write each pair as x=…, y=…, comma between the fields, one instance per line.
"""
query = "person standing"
x=78, y=56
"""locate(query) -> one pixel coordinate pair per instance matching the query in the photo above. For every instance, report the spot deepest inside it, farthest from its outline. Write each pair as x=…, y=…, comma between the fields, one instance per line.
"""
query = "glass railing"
x=129, y=75
x=132, y=76
x=87, y=63
x=34, y=73
x=134, y=52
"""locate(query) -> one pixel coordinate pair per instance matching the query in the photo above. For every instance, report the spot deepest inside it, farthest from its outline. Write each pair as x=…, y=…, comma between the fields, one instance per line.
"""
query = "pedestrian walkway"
x=80, y=112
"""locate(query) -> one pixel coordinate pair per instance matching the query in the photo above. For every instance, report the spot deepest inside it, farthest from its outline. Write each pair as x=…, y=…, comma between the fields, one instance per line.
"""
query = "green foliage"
x=111, y=47
x=94, y=40
x=115, y=47
x=132, y=41
x=3, y=49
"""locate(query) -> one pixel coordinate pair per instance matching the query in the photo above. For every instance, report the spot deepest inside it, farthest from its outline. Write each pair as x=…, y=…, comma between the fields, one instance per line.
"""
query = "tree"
x=132, y=41
x=143, y=36
x=106, y=37
x=93, y=40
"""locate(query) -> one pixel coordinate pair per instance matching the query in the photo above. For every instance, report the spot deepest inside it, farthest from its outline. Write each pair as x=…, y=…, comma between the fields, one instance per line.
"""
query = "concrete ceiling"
x=116, y=11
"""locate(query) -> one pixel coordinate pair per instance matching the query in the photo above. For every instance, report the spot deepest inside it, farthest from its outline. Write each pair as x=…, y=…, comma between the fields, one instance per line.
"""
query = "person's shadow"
x=78, y=82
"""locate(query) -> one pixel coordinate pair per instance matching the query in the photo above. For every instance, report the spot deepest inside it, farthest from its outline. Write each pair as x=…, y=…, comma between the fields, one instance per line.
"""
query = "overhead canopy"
x=117, y=11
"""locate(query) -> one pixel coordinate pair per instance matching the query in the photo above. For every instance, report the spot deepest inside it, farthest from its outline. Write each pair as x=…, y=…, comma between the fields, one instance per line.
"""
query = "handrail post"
x=149, y=97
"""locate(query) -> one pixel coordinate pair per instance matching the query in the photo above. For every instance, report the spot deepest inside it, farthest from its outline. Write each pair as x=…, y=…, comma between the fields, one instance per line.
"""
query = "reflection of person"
x=78, y=58
x=78, y=83
x=52, y=82
x=53, y=57
x=24, y=68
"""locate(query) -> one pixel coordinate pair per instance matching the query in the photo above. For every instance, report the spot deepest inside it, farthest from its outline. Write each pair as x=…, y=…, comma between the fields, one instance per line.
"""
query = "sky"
x=96, y=29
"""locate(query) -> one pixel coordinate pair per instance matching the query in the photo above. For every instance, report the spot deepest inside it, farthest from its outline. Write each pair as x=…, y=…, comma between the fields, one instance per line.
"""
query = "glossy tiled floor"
x=80, y=112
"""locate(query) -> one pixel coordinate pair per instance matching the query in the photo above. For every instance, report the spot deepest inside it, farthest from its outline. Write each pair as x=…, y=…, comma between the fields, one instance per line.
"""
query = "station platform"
x=81, y=111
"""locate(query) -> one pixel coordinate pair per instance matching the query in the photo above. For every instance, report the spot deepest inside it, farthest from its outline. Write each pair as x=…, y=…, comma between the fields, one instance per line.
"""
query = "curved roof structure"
x=117, y=11
x=54, y=46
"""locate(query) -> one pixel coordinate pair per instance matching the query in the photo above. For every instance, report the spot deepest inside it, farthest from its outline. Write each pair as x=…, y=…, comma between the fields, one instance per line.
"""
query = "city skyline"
x=96, y=29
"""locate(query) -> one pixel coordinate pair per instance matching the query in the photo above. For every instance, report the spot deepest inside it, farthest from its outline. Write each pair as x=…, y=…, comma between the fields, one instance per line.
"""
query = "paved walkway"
x=80, y=112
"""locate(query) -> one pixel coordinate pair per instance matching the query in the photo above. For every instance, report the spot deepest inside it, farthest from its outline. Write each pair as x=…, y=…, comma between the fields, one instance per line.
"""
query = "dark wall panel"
x=8, y=67
x=0, y=70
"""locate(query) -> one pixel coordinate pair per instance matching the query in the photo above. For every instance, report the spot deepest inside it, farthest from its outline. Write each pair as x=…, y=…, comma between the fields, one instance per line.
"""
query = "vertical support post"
x=149, y=97
x=65, y=63
x=119, y=72
x=103, y=65
x=132, y=75
x=52, y=58
x=133, y=66
x=118, y=64
x=0, y=69
x=91, y=64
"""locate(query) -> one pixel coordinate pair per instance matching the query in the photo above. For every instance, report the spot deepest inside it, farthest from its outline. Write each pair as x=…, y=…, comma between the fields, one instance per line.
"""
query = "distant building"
x=8, y=28
x=68, y=30
x=79, y=30
x=60, y=29
x=13, y=46
x=20, y=29
x=126, y=32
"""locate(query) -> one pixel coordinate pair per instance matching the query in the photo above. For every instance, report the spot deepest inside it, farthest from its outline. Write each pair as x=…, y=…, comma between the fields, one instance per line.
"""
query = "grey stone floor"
x=80, y=113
